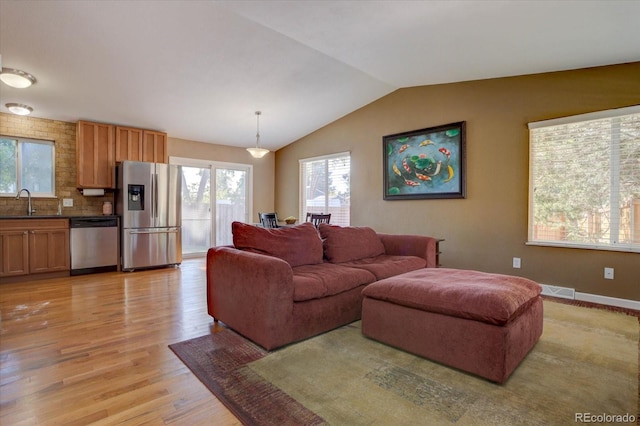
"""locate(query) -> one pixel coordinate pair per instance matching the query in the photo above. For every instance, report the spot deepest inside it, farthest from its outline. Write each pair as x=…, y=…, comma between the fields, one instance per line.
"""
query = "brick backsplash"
x=64, y=136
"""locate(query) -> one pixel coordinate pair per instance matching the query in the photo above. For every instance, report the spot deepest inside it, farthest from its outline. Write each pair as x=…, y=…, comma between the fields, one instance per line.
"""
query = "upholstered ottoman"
x=478, y=322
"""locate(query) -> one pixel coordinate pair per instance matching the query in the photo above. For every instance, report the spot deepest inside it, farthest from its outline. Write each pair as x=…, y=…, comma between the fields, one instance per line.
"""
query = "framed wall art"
x=425, y=164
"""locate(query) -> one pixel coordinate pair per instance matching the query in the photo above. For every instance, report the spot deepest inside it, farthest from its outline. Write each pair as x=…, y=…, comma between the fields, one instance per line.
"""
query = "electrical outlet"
x=516, y=262
x=608, y=273
x=67, y=202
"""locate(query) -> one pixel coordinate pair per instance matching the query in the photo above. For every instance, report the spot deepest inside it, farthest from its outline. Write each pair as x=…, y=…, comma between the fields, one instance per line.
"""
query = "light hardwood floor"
x=93, y=350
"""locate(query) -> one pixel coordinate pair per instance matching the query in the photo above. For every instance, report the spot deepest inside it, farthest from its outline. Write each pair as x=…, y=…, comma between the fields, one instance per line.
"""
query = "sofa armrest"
x=412, y=245
x=251, y=293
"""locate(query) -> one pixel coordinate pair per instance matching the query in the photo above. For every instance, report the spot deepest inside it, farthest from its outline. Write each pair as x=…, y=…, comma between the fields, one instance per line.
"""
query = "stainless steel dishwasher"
x=94, y=244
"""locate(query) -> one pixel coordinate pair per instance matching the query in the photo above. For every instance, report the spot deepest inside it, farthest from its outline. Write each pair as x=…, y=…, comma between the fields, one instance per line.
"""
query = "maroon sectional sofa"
x=282, y=285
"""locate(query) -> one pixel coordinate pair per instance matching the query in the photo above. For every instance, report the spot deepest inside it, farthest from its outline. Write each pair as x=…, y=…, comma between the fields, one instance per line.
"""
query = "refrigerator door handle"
x=153, y=198
x=154, y=231
x=155, y=194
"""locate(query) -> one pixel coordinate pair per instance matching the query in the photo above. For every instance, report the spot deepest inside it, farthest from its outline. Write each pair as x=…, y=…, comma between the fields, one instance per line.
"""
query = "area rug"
x=585, y=366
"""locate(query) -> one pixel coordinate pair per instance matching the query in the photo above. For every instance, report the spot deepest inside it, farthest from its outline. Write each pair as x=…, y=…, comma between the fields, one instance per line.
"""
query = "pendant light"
x=258, y=152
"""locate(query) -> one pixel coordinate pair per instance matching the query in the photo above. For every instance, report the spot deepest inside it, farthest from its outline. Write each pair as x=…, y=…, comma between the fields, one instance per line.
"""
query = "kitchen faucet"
x=29, y=209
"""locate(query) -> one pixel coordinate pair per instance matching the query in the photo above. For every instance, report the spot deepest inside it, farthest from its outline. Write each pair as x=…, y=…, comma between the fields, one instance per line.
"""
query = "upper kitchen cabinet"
x=128, y=144
x=154, y=147
x=140, y=145
x=95, y=154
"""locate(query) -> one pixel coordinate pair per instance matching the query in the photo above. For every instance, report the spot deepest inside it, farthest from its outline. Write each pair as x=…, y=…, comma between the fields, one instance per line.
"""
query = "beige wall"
x=263, y=173
x=64, y=136
x=488, y=228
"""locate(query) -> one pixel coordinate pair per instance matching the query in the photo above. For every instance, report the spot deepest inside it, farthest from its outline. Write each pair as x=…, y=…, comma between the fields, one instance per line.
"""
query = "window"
x=325, y=187
x=27, y=163
x=584, y=185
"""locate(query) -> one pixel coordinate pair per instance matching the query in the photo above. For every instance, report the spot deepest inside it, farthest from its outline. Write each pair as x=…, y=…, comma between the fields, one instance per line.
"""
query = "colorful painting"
x=426, y=163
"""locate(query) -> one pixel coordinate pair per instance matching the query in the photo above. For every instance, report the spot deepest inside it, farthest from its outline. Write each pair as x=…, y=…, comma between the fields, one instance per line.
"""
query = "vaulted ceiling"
x=200, y=69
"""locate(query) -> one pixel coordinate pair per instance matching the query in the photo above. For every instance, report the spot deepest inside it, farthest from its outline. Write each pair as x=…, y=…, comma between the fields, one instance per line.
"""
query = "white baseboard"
x=570, y=293
x=606, y=300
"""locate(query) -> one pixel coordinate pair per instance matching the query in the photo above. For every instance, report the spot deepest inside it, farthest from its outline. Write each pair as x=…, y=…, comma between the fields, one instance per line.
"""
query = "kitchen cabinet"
x=154, y=147
x=48, y=250
x=14, y=252
x=128, y=144
x=95, y=154
x=34, y=246
x=140, y=145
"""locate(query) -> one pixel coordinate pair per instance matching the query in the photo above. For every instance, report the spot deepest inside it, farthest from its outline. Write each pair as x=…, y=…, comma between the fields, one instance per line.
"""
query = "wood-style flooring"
x=93, y=349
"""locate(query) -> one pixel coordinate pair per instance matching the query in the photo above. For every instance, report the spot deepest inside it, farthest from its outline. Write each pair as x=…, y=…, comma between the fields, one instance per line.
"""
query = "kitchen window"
x=27, y=163
x=325, y=187
x=584, y=185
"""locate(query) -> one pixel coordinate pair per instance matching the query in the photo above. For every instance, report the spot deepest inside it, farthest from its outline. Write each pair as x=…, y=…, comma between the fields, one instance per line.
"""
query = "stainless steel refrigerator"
x=149, y=201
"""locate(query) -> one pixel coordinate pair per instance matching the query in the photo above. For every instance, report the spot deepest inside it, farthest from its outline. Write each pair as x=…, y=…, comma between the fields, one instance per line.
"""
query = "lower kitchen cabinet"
x=14, y=252
x=48, y=250
x=33, y=246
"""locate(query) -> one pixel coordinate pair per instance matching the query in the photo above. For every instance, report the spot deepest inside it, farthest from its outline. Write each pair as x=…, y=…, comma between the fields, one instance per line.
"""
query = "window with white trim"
x=584, y=181
x=325, y=187
x=27, y=163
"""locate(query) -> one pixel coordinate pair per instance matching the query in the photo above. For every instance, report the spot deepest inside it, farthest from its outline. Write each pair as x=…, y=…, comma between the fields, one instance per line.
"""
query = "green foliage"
x=8, y=176
x=230, y=185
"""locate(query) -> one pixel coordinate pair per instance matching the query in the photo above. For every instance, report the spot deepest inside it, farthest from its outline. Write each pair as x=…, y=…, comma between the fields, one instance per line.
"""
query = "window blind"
x=325, y=187
x=584, y=181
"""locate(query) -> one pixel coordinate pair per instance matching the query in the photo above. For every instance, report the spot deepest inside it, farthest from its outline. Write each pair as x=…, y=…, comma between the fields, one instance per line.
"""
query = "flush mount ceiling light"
x=19, y=109
x=258, y=152
x=16, y=78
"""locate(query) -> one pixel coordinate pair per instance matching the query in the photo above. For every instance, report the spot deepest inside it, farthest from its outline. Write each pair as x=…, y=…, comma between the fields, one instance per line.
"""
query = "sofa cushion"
x=490, y=298
x=385, y=266
x=344, y=244
x=327, y=279
x=297, y=245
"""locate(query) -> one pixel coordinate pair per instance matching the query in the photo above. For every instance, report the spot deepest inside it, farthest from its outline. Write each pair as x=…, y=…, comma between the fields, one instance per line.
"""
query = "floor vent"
x=563, y=292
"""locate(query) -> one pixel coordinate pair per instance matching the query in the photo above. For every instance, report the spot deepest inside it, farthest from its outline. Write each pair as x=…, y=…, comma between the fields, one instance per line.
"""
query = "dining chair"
x=309, y=214
x=317, y=219
x=269, y=220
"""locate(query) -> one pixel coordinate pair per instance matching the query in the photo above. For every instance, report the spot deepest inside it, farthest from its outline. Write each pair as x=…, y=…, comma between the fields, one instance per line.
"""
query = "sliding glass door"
x=196, y=210
x=231, y=201
x=213, y=196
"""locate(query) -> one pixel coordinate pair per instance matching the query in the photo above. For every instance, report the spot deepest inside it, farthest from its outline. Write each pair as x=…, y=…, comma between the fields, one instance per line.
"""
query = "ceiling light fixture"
x=258, y=152
x=16, y=78
x=19, y=109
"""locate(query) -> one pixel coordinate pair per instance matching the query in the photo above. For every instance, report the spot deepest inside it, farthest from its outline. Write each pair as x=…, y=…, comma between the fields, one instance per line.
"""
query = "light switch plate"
x=67, y=202
x=516, y=262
